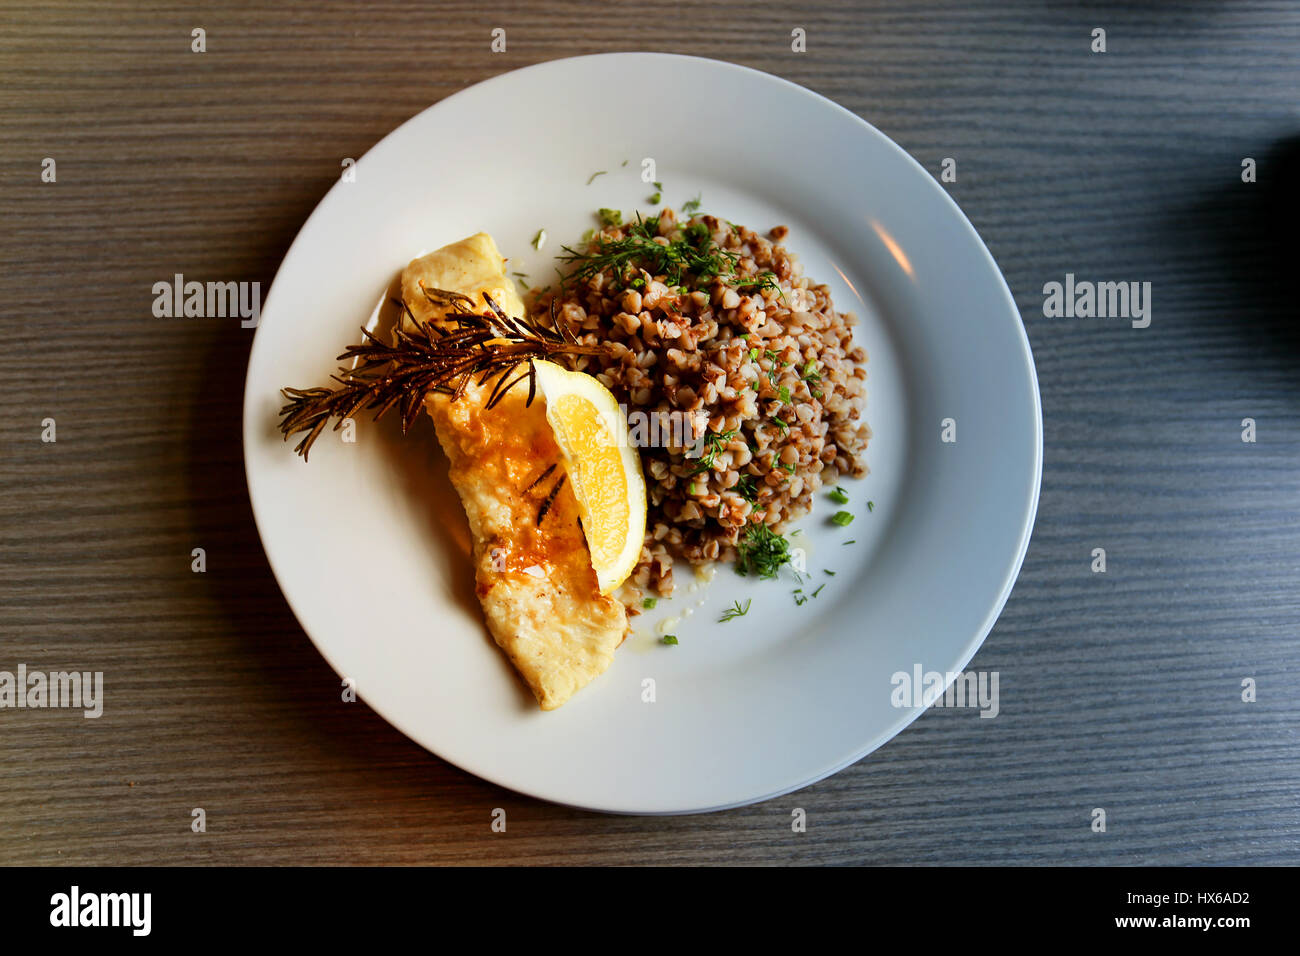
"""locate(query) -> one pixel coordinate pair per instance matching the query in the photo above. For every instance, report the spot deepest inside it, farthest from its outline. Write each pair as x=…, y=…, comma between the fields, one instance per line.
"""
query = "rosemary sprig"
x=433, y=357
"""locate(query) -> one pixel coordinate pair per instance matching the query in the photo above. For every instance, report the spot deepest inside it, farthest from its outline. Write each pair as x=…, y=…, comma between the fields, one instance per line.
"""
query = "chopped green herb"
x=789, y=466
x=592, y=178
x=839, y=496
x=589, y=235
x=842, y=518
x=735, y=611
x=691, y=205
x=539, y=240
x=785, y=395
x=659, y=186
x=851, y=541
x=761, y=283
x=714, y=442
x=827, y=571
x=610, y=217
x=670, y=638
x=745, y=488
x=690, y=259
x=761, y=551
x=772, y=372
x=696, y=488
x=784, y=427
x=800, y=599
x=646, y=229
x=810, y=373
x=871, y=506
x=819, y=590
x=753, y=355
x=654, y=200
x=624, y=163
x=649, y=603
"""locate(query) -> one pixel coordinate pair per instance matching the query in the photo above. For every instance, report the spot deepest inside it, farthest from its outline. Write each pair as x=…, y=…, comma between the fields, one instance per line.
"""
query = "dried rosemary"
x=434, y=357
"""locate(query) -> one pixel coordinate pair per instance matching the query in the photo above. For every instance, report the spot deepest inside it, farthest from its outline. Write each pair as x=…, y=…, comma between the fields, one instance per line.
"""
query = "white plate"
x=365, y=539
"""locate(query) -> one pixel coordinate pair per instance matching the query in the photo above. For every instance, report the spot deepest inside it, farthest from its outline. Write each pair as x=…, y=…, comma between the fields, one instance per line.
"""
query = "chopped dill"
x=691, y=205
x=871, y=506
x=539, y=240
x=670, y=638
x=654, y=200
x=745, y=488
x=851, y=541
x=735, y=611
x=690, y=259
x=839, y=496
x=819, y=590
x=761, y=551
x=828, y=571
x=714, y=442
x=649, y=603
x=592, y=178
x=762, y=282
x=800, y=599
x=842, y=518
x=610, y=217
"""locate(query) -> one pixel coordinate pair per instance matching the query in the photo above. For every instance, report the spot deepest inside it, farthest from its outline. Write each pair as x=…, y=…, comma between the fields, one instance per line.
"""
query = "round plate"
x=368, y=541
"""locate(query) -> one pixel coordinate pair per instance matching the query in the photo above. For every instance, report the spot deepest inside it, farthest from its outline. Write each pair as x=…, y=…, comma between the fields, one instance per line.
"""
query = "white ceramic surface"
x=745, y=710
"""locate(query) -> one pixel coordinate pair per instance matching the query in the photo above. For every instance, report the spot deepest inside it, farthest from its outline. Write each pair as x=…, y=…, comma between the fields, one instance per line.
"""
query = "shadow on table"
x=1256, y=241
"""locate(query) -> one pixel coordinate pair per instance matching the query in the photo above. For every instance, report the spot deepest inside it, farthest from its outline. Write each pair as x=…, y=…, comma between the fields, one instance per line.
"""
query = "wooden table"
x=1120, y=690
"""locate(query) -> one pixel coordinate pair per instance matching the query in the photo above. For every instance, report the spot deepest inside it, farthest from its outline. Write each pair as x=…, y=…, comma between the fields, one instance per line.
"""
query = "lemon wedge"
x=604, y=468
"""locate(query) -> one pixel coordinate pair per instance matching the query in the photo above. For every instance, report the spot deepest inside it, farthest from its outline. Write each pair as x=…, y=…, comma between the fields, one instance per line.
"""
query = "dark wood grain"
x=1119, y=690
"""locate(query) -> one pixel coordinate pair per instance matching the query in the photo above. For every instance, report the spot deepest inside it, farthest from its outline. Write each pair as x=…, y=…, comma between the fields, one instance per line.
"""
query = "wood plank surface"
x=1120, y=690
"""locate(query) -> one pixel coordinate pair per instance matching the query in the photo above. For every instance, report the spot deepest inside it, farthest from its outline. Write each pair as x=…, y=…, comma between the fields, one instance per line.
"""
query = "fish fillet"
x=533, y=572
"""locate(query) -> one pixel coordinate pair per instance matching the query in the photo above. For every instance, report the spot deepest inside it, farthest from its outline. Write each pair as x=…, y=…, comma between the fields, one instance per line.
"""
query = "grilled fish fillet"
x=533, y=571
